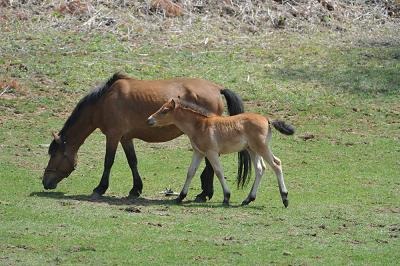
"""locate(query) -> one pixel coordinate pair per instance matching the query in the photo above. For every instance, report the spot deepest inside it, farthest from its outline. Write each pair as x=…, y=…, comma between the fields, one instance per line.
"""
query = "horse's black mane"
x=91, y=98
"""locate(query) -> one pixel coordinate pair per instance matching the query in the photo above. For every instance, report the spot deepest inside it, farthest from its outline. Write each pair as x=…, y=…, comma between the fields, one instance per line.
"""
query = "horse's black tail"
x=234, y=102
x=282, y=127
x=235, y=106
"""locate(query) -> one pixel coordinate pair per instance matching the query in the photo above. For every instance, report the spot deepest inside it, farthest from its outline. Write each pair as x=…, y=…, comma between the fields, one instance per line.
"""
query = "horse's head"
x=163, y=117
x=61, y=164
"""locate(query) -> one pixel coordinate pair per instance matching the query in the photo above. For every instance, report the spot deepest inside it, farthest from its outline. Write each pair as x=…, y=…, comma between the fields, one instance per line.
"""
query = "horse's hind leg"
x=130, y=153
x=259, y=167
x=214, y=160
x=111, y=148
x=196, y=159
x=276, y=165
x=207, y=178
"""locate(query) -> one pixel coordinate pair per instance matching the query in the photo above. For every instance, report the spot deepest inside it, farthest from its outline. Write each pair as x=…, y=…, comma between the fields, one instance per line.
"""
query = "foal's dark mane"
x=91, y=98
x=194, y=108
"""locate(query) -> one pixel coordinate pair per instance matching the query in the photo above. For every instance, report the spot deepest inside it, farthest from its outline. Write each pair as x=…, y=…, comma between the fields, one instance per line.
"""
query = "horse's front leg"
x=111, y=148
x=207, y=179
x=196, y=159
x=130, y=153
x=213, y=157
x=259, y=167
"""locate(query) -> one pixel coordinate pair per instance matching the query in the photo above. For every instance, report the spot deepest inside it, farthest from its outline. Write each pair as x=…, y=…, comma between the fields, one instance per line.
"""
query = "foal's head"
x=163, y=117
x=61, y=163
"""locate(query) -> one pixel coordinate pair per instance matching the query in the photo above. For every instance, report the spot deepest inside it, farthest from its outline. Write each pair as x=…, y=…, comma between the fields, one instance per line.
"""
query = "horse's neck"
x=76, y=135
x=188, y=122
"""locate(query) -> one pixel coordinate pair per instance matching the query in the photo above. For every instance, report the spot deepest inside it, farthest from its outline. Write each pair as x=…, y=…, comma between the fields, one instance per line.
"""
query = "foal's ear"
x=173, y=103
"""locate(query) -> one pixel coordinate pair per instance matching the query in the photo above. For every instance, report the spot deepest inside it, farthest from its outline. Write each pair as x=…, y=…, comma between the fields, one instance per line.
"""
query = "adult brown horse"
x=120, y=109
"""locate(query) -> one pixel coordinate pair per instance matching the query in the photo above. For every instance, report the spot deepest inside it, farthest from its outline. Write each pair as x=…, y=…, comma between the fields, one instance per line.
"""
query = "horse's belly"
x=156, y=134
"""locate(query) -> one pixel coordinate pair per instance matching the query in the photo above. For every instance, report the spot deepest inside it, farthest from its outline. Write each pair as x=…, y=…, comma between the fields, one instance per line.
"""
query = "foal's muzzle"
x=151, y=121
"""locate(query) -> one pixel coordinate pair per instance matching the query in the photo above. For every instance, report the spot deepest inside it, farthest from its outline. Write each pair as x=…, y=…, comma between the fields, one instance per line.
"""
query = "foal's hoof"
x=179, y=199
x=225, y=203
x=247, y=201
x=285, y=202
x=285, y=199
x=95, y=196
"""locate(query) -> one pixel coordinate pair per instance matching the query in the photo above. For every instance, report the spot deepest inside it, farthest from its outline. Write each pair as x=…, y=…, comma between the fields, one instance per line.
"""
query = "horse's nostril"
x=47, y=184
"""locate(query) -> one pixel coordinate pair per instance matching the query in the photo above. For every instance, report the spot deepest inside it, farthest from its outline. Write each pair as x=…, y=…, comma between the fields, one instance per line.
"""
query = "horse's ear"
x=57, y=138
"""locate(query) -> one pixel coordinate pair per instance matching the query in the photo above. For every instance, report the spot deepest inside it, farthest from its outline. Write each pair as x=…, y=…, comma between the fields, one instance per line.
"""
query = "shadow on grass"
x=136, y=202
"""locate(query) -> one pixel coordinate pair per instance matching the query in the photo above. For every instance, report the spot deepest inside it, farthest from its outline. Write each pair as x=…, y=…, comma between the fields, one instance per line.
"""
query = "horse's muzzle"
x=49, y=185
x=151, y=121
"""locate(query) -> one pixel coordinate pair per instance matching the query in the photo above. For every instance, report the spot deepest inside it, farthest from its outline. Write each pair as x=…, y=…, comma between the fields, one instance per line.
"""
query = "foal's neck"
x=189, y=121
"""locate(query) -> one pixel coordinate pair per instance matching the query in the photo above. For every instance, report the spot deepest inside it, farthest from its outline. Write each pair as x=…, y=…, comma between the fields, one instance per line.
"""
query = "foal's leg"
x=111, y=148
x=214, y=160
x=207, y=178
x=130, y=153
x=196, y=159
x=276, y=165
x=259, y=167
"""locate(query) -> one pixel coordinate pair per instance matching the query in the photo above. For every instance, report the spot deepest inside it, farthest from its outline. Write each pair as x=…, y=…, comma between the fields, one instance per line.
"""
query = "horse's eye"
x=164, y=111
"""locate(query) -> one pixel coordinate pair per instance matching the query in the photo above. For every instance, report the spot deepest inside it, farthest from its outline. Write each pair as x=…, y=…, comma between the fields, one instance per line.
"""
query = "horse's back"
x=130, y=101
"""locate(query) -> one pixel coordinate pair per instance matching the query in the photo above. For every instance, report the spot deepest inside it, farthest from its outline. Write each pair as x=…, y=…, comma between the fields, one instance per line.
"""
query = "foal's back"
x=234, y=133
x=243, y=123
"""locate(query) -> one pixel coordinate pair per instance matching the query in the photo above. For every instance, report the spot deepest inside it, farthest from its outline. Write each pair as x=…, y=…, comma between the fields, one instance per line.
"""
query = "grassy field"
x=342, y=168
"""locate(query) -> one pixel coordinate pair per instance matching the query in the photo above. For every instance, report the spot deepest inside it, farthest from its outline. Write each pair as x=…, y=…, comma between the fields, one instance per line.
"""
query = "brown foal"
x=211, y=135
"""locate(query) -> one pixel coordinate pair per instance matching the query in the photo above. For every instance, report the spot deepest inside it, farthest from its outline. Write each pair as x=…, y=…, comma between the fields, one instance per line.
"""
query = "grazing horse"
x=119, y=108
x=212, y=135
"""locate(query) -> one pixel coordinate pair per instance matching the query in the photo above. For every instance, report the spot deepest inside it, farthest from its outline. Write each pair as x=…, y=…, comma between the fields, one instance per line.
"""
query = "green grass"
x=344, y=187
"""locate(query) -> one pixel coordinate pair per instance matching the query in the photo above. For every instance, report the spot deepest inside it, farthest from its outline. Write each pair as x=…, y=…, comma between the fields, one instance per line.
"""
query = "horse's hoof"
x=285, y=202
x=200, y=199
x=95, y=196
x=134, y=195
x=178, y=200
x=225, y=203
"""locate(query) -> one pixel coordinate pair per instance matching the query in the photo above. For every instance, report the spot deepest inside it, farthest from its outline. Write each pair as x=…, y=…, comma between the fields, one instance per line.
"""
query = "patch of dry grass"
x=137, y=19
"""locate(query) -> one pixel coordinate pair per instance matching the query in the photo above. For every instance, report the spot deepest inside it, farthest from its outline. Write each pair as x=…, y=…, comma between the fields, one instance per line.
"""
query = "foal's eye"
x=164, y=111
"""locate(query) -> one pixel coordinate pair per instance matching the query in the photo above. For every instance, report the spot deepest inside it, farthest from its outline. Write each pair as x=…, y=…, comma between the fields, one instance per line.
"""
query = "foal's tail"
x=282, y=127
x=235, y=106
